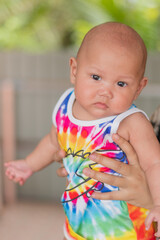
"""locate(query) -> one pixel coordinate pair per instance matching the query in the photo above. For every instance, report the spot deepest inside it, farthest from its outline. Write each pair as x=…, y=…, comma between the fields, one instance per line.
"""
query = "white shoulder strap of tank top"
x=61, y=99
x=123, y=115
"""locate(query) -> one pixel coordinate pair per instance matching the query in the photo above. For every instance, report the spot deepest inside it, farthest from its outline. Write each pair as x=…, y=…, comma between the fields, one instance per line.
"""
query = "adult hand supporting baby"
x=132, y=184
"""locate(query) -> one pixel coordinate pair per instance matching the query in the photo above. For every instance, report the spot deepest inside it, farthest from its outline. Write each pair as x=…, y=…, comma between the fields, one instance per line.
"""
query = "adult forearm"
x=153, y=178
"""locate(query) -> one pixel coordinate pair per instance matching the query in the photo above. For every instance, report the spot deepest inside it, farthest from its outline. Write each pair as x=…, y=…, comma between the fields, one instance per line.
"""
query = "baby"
x=108, y=75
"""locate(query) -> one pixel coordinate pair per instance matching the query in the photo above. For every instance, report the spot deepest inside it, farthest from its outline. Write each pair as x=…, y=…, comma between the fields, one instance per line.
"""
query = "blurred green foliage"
x=38, y=25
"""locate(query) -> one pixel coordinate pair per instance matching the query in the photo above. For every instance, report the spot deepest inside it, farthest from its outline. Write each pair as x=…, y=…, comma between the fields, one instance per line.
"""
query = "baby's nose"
x=105, y=92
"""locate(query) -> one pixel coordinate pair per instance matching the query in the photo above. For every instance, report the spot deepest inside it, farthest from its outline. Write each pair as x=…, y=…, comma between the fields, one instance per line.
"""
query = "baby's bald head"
x=116, y=35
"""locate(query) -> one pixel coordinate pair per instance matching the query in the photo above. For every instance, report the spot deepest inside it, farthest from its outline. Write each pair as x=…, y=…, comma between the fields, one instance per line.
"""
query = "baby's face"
x=106, y=79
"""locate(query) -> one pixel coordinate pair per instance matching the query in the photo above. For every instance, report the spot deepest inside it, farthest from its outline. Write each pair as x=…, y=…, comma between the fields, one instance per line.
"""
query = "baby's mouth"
x=101, y=105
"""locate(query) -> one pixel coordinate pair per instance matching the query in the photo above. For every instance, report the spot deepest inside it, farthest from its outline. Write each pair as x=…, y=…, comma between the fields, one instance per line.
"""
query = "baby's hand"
x=154, y=216
x=18, y=171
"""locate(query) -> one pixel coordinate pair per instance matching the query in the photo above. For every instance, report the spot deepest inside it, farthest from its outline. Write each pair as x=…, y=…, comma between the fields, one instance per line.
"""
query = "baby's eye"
x=121, y=84
x=96, y=77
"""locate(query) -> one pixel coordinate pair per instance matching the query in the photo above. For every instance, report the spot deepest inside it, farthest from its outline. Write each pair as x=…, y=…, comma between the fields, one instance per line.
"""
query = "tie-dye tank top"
x=88, y=218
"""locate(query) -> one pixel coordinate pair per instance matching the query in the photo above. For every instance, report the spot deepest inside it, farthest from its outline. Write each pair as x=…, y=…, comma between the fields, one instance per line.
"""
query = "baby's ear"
x=142, y=84
x=73, y=69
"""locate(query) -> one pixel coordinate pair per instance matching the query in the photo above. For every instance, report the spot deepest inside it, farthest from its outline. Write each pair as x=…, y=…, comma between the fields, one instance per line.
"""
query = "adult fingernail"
x=93, y=195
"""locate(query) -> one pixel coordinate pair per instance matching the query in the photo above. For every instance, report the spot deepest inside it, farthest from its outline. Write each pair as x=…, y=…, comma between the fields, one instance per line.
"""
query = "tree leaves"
x=38, y=25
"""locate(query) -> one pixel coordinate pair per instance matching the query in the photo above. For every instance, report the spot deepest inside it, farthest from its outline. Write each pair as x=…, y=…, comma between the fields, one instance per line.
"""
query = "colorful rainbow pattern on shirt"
x=88, y=218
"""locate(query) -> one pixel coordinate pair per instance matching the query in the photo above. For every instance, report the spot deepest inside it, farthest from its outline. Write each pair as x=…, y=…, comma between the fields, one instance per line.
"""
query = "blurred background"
x=37, y=38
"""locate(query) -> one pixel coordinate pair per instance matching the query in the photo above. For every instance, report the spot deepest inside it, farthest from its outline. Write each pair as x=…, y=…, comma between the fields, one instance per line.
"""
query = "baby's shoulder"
x=135, y=117
x=133, y=123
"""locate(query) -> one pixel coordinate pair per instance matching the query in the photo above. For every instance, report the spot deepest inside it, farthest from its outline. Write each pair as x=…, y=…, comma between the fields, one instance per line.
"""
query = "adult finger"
x=113, y=180
x=127, y=148
x=149, y=220
x=59, y=155
x=114, y=195
x=111, y=163
x=61, y=172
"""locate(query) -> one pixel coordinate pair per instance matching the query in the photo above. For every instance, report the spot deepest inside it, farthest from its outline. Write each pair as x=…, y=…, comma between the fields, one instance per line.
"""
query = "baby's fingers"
x=21, y=182
x=9, y=173
x=18, y=180
x=12, y=175
x=9, y=164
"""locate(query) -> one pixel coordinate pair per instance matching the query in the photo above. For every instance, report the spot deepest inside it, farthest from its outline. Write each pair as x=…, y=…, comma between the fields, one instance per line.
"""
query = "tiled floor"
x=31, y=221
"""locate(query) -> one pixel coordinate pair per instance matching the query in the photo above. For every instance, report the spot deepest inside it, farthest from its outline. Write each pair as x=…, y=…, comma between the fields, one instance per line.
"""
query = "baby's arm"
x=47, y=151
x=142, y=137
